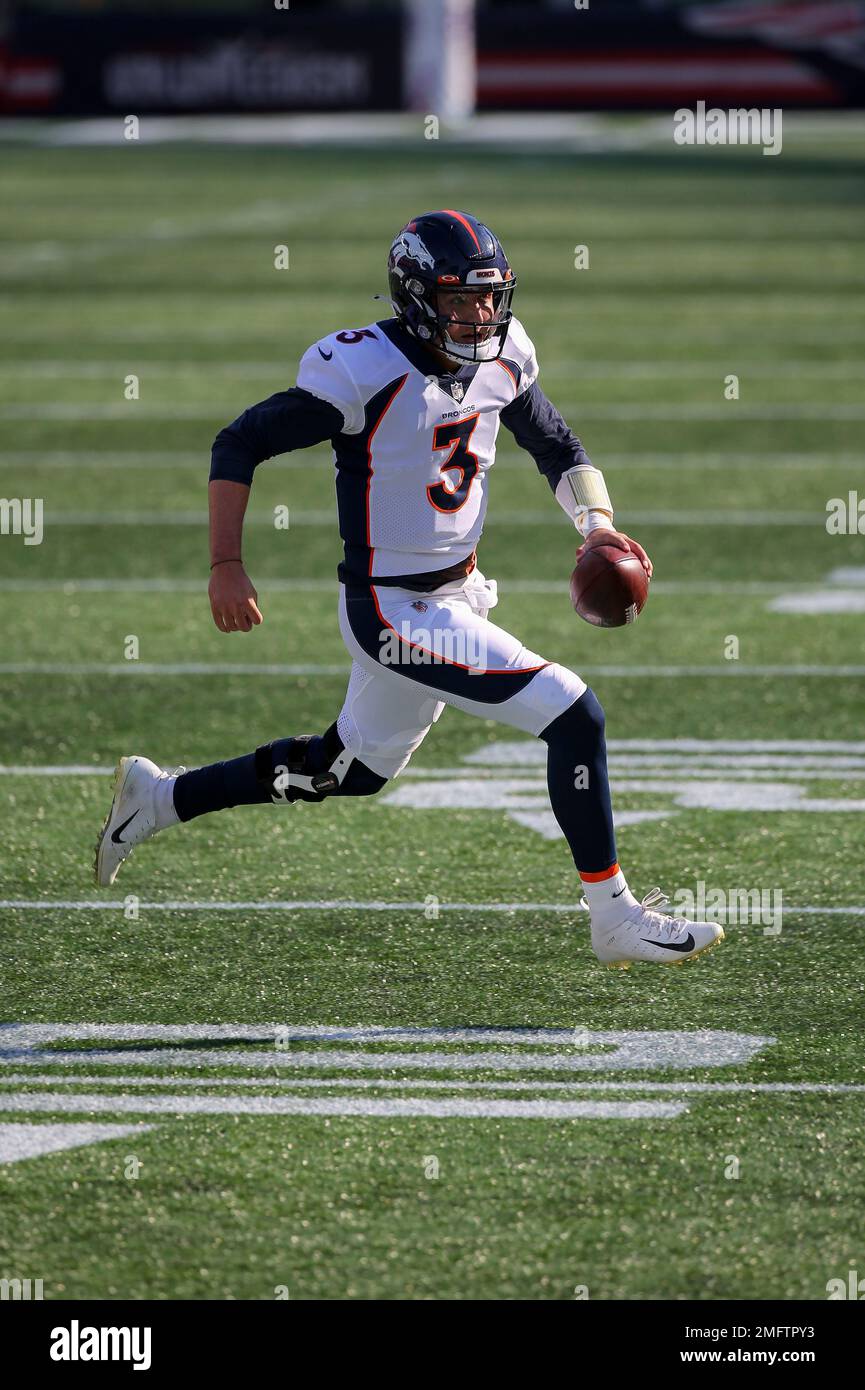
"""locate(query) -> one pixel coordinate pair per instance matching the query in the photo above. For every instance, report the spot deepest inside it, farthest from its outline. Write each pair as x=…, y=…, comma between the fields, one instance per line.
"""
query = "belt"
x=417, y=583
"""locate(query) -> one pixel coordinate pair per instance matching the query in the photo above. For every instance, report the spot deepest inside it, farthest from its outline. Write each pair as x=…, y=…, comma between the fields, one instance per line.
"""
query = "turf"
x=158, y=262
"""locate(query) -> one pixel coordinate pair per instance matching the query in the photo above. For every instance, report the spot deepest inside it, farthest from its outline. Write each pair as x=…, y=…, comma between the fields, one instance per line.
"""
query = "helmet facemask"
x=479, y=341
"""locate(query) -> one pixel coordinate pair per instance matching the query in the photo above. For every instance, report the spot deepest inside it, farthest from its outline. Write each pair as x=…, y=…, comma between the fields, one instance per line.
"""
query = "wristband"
x=234, y=560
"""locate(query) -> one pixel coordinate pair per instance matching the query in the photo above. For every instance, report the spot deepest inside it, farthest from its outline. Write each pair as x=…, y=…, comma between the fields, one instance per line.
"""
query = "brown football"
x=609, y=587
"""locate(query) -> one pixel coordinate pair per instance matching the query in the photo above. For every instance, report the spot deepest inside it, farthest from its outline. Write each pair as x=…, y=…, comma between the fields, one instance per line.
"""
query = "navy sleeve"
x=539, y=428
x=292, y=419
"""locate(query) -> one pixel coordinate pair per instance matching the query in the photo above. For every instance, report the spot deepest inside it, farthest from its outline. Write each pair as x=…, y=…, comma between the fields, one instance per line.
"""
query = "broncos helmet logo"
x=410, y=244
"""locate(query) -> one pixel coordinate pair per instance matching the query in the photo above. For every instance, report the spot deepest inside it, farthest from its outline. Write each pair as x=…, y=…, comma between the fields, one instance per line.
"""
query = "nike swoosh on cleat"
x=115, y=834
x=685, y=946
x=326, y=355
x=620, y=892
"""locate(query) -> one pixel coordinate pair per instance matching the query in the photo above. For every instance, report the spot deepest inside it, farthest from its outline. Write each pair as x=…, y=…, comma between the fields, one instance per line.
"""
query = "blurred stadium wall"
x=103, y=57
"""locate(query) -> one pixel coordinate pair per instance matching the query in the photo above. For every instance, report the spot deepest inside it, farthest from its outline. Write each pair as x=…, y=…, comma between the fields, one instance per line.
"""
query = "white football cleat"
x=644, y=933
x=132, y=817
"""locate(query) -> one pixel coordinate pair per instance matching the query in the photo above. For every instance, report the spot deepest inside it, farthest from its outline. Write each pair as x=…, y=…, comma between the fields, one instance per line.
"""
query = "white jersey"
x=417, y=446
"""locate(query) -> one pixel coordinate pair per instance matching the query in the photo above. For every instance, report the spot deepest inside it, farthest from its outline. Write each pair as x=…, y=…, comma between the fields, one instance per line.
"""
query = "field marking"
x=664, y=764
x=576, y=1061
x=707, y=745
x=272, y=905
x=181, y=458
x=547, y=516
x=847, y=574
x=826, y=764
x=263, y=214
x=635, y=1045
x=529, y=769
x=824, y=601
x=18, y=1141
x=831, y=597
x=635, y=368
x=730, y=669
x=716, y=318
x=635, y=1050
x=731, y=413
x=270, y=584
x=567, y=131
x=844, y=770
x=339, y=905
x=509, y=776
x=518, y=796
x=788, y=594
x=379, y=1083
x=56, y=770
x=28, y=1045
x=178, y=668
x=419, y=1107
x=529, y=750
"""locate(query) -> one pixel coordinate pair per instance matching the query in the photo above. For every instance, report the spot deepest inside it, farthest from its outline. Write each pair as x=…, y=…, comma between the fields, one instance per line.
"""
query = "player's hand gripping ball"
x=610, y=583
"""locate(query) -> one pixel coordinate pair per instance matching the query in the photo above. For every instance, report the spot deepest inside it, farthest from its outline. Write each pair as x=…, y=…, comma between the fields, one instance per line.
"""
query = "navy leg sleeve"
x=578, y=783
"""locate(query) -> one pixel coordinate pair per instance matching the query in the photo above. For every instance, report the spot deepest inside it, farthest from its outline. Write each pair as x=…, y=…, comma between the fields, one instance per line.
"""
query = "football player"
x=412, y=405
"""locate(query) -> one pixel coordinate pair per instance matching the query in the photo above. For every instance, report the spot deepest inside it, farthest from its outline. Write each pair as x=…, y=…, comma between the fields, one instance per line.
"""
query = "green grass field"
x=307, y=1160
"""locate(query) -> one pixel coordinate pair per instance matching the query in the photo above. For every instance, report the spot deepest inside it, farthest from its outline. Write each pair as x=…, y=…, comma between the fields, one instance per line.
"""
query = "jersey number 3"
x=454, y=435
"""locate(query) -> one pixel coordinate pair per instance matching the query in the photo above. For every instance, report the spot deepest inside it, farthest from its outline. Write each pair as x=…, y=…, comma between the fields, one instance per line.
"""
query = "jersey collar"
x=425, y=363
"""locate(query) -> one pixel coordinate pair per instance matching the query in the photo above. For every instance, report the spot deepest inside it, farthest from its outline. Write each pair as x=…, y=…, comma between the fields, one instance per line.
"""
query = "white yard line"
x=817, y=746
x=536, y=131
x=339, y=905
x=547, y=516
x=684, y=587
x=728, y=413
x=534, y=777
x=19, y=1141
x=631, y=368
x=729, y=669
x=55, y=770
x=453, y=1108
x=530, y=779
x=180, y=668
x=429, y=1084
x=267, y=905
x=265, y=213
x=711, y=1041
x=25, y=1049
x=822, y=601
x=638, y=774
x=200, y=459
x=637, y=1058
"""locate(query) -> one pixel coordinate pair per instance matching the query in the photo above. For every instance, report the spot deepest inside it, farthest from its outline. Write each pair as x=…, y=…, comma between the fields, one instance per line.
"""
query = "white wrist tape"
x=594, y=520
x=583, y=494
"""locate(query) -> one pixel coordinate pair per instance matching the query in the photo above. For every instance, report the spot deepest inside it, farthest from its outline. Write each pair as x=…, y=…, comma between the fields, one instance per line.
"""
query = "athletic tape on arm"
x=582, y=493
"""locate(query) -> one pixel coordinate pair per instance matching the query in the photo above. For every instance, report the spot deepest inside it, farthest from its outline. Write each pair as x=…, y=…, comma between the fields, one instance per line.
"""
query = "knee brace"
x=311, y=767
